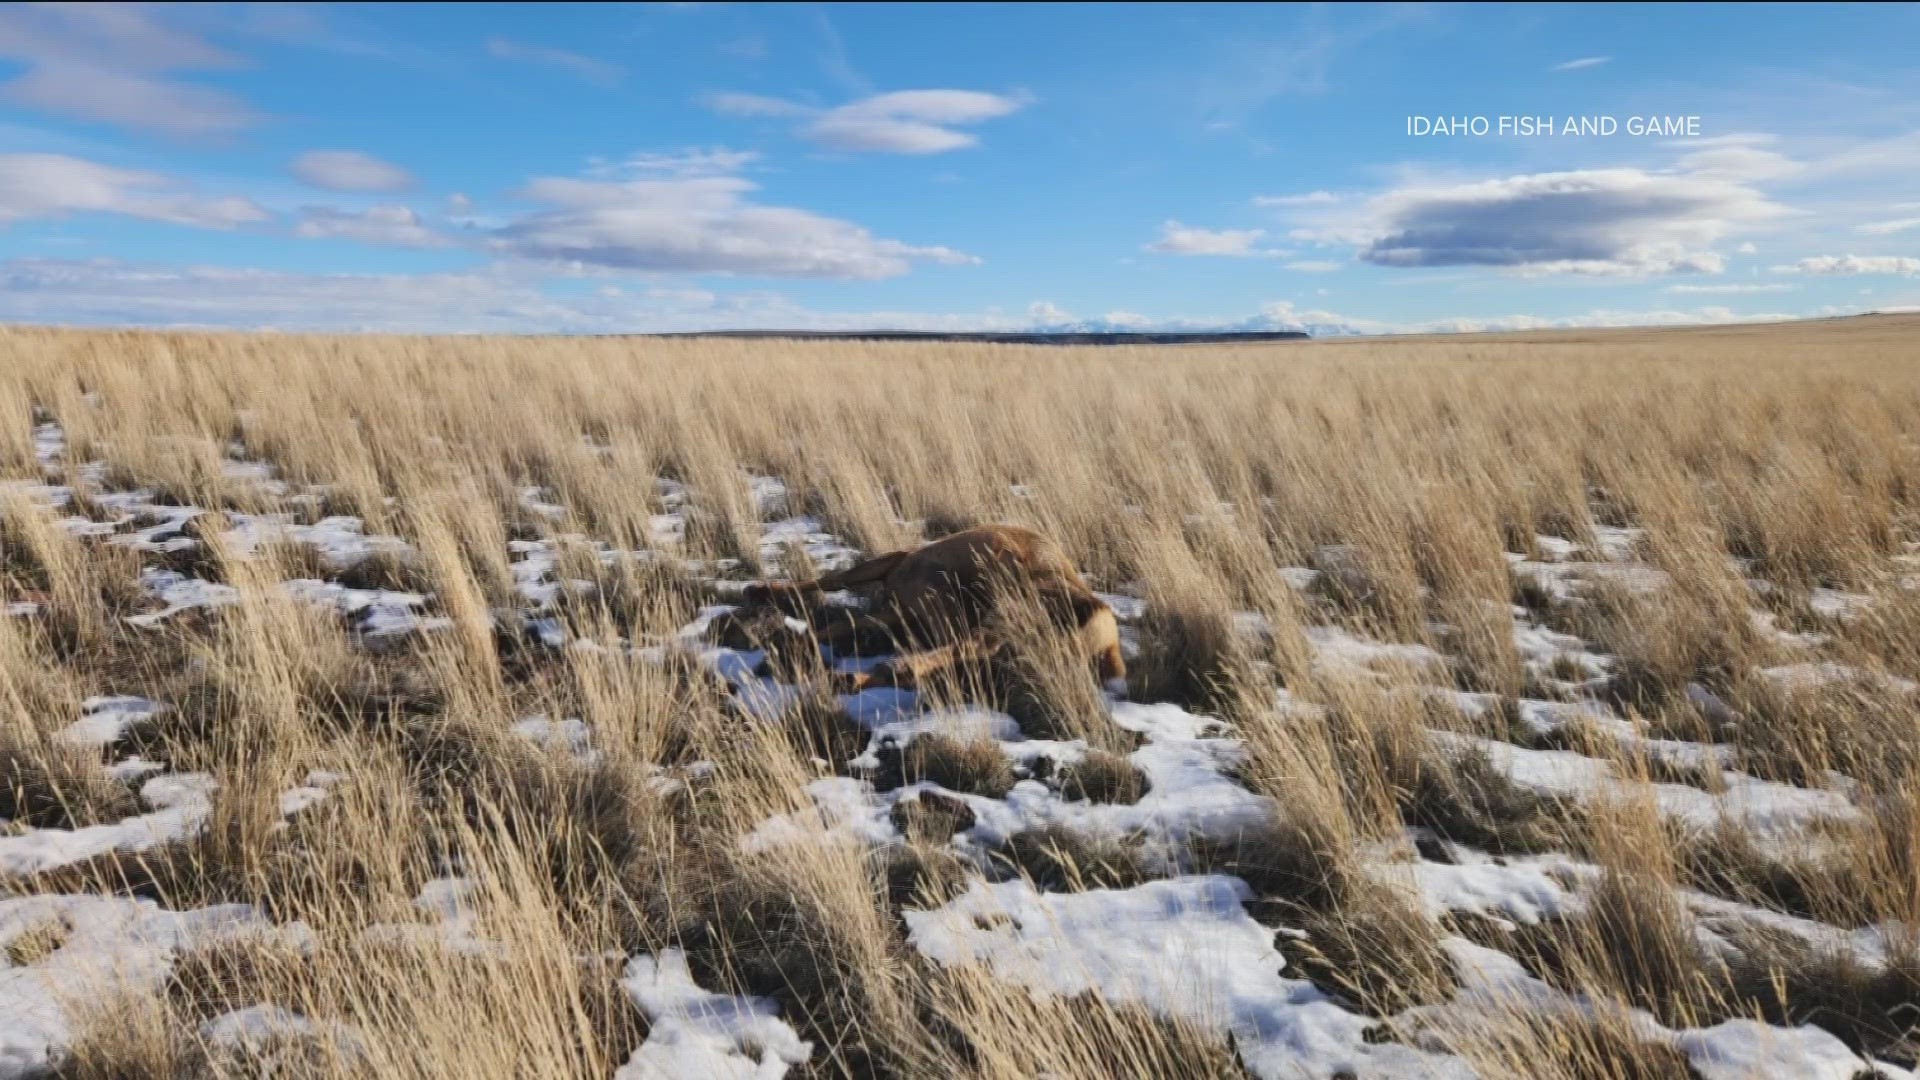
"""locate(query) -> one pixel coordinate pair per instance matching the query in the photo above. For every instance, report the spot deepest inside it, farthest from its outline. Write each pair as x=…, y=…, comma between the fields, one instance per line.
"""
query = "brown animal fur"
x=939, y=600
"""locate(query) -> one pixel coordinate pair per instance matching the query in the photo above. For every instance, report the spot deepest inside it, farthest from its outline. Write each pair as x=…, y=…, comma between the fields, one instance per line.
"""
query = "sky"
x=663, y=167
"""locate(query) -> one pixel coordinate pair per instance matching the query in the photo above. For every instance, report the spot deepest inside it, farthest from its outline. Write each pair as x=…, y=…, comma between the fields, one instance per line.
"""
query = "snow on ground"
x=1838, y=604
x=180, y=803
x=1337, y=650
x=179, y=593
x=262, y=1033
x=451, y=905
x=1513, y=890
x=1766, y=808
x=104, y=944
x=807, y=533
x=1184, y=947
x=1544, y=718
x=1733, y=1050
x=1187, y=796
x=1188, y=792
x=373, y=612
x=105, y=718
x=694, y=1033
x=570, y=736
x=1571, y=581
x=1807, y=676
x=340, y=540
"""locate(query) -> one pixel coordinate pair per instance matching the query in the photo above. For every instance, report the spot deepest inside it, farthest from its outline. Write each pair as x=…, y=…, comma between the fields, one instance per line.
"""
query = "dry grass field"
x=1528, y=705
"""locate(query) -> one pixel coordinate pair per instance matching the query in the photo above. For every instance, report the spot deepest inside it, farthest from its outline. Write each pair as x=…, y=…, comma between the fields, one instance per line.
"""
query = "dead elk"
x=943, y=604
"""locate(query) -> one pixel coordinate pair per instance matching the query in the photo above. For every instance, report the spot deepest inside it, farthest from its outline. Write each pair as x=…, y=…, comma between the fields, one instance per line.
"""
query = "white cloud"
x=1885, y=228
x=386, y=226
x=129, y=100
x=48, y=291
x=1599, y=221
x=1582, y=64
x=1178, y=239
x=1311, y=198
x=1729, y=289
x=901, y=122
x=734, y=104
x=54, y=185
x=698, y=224
x=349, y=170
x=602, y=72
x=1326, y=323
x=909, y=121
x=108, y=62
x=503, y=300
x=1747, y=248
x=683, y=298
x=1853, y=264
x=689, y=161
x=1316, y=266
x=1285, y=315
x=1900, y=153
x=1737, y=163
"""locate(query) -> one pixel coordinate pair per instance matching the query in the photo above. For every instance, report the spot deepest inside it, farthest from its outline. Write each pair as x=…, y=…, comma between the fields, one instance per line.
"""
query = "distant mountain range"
x=1034, y=337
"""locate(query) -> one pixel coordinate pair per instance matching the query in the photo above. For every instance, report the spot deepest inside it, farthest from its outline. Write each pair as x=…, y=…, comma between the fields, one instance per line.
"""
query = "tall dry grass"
x=1189, y=477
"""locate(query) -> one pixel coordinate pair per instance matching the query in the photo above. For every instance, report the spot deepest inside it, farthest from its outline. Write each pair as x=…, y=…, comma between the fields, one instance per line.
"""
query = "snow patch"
x=697, y=1033
x=1183, y=947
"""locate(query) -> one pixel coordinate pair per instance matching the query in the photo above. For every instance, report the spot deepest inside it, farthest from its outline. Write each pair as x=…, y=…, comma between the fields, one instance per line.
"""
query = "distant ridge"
x=1067, y=337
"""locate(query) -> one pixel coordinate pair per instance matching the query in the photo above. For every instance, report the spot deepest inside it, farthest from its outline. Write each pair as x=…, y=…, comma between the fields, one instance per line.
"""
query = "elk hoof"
x=850, y=682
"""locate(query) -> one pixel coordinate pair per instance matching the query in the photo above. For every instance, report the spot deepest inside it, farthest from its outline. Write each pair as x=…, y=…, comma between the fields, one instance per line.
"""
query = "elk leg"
x=873, y=570
x=852, y=633
x=793, y=598
x=796, y=597
x=908, y=670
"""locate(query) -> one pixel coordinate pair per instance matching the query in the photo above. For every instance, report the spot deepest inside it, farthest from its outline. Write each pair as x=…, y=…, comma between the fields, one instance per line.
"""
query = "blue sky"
x=607, y=168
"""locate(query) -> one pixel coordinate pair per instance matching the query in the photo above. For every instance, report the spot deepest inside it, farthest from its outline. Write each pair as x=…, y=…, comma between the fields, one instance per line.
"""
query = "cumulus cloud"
x=1178, y=239
x=1582, y=64
x=349, y=170
x=386, y=226
x=602, y=72
x=701, y=225
x=901, y=122
x=1853, y=264
x=54, y=185
x=111, y=63
x=1599, y=221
